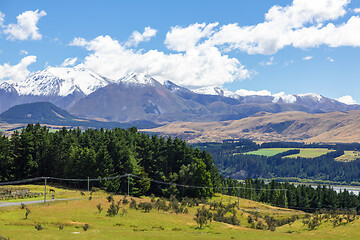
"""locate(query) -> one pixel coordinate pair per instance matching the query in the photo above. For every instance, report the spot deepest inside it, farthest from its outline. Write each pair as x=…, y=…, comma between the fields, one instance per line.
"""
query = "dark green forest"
x=36, y=152
x=231, y=162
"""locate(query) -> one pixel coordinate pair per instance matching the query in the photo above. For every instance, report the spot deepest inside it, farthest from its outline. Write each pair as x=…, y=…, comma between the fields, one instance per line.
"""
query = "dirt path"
x=10, y=204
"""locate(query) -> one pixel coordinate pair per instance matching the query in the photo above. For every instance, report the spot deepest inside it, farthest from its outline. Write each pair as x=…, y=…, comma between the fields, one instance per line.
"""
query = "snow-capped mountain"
x=138, y=96
x=56, y=81
x=137, y=79
x=216, y=91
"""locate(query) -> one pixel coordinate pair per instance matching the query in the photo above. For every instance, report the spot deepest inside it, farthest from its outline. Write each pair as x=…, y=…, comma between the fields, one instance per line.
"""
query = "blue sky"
x=298, y=46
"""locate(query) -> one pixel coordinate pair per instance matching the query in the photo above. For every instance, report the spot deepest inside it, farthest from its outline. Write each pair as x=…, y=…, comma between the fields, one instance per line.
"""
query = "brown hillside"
x=286, y=126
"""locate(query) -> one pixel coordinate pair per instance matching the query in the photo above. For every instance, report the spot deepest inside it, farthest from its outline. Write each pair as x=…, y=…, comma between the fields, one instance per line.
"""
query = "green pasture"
x=348, y=156
x=268, y=152
x=304, y=152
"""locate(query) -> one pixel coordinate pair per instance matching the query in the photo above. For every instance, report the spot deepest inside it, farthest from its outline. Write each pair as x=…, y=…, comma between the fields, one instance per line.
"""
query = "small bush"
x=133, y=204
x=82, y=193
x=125, y=200
x=22, y=206
x=110, y=198
x=27, y=213
x=112, y=210
x=86, y=226
x=99, y=207
x=38, y=227
x=146, y=206
x=61, y=227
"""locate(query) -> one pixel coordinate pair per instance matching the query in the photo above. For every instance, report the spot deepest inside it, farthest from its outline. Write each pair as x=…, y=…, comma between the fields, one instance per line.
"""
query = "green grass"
x=348, y=156
x=310, y=152
x=136, y=224
x=268, y=152
x=304, y=152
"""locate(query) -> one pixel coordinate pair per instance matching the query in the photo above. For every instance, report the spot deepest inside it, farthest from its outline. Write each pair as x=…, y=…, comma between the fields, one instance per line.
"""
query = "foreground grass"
x=136, y=224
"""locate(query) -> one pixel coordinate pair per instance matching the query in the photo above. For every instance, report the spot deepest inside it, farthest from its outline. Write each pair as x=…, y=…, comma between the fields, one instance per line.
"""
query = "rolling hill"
x=286, y=126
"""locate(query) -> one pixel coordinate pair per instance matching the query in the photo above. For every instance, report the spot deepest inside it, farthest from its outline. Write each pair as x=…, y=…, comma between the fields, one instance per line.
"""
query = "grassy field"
x=269, y=151
x=310, y=152
x=136, y=224
x=348, y=156
x=304, y=152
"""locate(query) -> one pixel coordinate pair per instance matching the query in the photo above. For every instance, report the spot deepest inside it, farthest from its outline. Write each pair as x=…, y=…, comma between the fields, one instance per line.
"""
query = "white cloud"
x=243, y=92
x=137, y=37
x=356, y=10
x=307, y=58
x=16, y=72
x=303, y=24
x=184, y=38
x=2, y=16
x=69, y=62
x=330, y=59
x=25, y=28
x=268, y=63
x=347, y=99
x=24, y=52
x=198, y=66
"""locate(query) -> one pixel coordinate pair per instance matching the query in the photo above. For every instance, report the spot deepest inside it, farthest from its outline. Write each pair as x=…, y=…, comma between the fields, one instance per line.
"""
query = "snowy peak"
x=289, y=98
x=56, y=81
x=137, y=79
x=175, y=88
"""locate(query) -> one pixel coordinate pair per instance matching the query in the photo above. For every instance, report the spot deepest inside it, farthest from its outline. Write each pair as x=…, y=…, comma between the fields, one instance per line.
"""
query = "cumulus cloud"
x=137, y=37
x=307, y=58
x=184, y=38
x=69, y=62
x=198, y=66
x=16, y=72
x=347, y=99
x=303, y=24
x=243, y=92
x=25, y=28
x=356, y=10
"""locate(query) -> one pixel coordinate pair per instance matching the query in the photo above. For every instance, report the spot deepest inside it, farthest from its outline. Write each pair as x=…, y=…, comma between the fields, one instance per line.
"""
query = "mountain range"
x=86, y=94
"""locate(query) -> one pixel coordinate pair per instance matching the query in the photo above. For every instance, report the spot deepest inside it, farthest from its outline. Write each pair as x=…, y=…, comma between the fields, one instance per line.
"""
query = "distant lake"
x=353, y=189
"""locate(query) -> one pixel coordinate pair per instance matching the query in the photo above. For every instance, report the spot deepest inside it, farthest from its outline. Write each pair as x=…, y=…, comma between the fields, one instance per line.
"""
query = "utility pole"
x=45, y=192
x=238, y=198
x=128, y=175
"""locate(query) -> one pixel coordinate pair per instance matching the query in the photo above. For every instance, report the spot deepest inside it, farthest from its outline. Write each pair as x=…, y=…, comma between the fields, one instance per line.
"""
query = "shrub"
x=202, y=216
x=86, y=226
x=27, y=213
x=146, y=206
x=112, y=210
x=99, y=207
x=61, y=227
x=38, y=227
x=125, y=200
x=110, y=198
x=133, y=204
x=22, y=206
